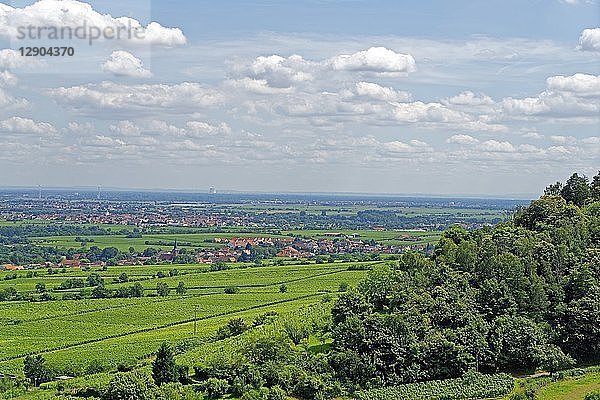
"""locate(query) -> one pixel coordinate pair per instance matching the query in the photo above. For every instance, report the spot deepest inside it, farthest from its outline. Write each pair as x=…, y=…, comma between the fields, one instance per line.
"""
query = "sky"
x=496, y=98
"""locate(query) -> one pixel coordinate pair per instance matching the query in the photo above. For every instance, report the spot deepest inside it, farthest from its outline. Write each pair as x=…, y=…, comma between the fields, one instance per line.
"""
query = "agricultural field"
x=391, y=237
x=74, y=334
x=206, y=240
x=123, y=243
x=350, y=209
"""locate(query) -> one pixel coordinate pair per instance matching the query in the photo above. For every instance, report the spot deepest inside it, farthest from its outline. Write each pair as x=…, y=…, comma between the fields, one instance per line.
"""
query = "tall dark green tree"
x=554, y=189
x=181, y=289
x=595, y=187
x=164, y=369
x=576, y=190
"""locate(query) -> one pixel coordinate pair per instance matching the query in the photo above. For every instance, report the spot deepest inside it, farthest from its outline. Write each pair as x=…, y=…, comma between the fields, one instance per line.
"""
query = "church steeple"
x=175, y=251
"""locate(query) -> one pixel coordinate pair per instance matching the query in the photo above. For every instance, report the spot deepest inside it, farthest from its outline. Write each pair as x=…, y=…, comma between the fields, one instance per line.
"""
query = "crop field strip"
x=128, y=302
x=7, y=361
x=197, y=275
x=24, y=284
x=259, y=285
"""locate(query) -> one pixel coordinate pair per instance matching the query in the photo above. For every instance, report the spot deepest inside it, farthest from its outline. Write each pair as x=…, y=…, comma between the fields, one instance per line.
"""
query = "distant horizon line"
x=508, y=196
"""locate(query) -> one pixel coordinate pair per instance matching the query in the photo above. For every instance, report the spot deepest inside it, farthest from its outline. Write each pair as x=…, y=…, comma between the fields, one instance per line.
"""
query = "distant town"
x=68, y=229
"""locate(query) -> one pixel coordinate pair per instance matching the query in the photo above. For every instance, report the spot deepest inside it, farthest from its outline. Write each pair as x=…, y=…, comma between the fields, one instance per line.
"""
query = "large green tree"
x=35, y=369
x=576, y=190
x=164, y=369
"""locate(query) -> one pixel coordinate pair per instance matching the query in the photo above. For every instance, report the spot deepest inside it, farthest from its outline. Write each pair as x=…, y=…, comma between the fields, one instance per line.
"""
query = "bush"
x=595, y=395
x=296, y=331
x=232, y=290
x=176, y=391
x=518, y=396
x=234, y=327
x=276, y=393
x=215, y=387
x=130, y=385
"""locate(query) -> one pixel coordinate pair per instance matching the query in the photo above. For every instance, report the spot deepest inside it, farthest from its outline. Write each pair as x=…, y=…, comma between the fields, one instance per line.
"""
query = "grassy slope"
x=572, y=388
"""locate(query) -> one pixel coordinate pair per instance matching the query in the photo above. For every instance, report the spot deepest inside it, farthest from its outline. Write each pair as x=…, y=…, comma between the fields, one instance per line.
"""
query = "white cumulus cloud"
x=11, y=59
x=7, y=79
x=26, y=125
x=377, y=60
x=57, y=14
x=565, y=97
x=495, y=146
x=589, y=40
x=580, y=84
x=281, y=71
x=413, y=146
x=123, y=63
x=469, y=98
x=138, y=97
x=377, y=92
x=462, y=139
x=257, y=86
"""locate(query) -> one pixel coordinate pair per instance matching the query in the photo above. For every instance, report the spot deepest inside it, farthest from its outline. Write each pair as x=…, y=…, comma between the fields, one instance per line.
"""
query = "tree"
x=578, y=326
x=164, y=369
x=108, y=253
x=232, y=290
x=137, y=290
x=35, y=369
x=595, y=187
x=162, y=289
x=343, y=287
x=94, y=280
x=40, y=287
x=100, y=292
x=283, y=288
x=551, y=358
x=215, y=388
x=554, y=189
x=576, y=190
x=134, y=385
x=349, y=304
x=123, y=277
x=516, y=341
x=181, y=288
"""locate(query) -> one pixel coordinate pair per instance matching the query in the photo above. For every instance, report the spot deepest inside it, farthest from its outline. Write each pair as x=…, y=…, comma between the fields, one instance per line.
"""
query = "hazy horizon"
x=92, y=189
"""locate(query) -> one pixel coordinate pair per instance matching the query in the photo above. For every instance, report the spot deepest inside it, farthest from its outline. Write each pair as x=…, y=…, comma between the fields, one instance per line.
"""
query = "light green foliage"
x=133, y=385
